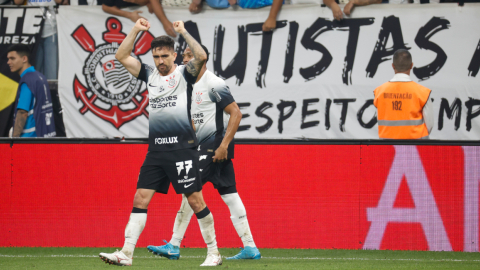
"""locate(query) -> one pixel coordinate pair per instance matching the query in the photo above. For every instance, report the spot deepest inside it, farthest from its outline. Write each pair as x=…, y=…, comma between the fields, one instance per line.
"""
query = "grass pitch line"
x=266, y=257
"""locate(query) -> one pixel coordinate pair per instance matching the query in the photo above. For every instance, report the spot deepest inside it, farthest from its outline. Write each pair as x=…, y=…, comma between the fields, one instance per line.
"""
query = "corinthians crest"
x=112, y=93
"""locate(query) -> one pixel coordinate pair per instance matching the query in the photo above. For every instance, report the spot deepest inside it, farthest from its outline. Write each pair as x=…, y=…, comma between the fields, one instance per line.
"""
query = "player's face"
x=164, y=59
x=15, y=61
x=187, y=55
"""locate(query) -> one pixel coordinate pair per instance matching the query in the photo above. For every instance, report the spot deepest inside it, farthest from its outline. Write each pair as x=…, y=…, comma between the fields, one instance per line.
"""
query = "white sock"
x=181, y=222
x=208, y=232
x=134, y=228
x=239, y=218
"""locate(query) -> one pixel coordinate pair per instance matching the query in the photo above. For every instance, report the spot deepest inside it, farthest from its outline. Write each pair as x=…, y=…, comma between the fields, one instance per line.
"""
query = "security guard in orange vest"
x=404, y=109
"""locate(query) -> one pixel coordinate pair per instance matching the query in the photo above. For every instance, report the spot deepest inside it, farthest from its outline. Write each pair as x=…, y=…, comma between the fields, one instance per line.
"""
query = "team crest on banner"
x=110, y=88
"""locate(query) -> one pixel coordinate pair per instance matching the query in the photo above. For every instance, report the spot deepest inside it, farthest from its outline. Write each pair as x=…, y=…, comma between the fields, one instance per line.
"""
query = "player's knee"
x=196, y=203
x=141, y=200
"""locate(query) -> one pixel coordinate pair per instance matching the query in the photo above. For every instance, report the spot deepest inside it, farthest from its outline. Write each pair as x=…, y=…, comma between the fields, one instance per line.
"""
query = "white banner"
x=312, y=78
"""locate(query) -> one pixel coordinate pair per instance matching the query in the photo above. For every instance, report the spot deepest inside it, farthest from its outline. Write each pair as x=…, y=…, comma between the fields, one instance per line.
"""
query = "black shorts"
x=220, y=174
x=179, y=167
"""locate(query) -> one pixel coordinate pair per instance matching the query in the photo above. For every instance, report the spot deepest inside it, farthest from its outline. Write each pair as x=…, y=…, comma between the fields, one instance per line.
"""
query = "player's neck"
x=25, y=66
x=202, y=71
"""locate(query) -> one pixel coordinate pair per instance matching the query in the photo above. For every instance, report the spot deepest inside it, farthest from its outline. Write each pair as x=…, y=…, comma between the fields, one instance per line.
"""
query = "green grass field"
x=87, y=258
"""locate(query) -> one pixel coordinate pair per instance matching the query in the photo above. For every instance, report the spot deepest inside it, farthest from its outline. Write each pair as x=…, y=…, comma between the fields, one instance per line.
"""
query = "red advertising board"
x=296, y=196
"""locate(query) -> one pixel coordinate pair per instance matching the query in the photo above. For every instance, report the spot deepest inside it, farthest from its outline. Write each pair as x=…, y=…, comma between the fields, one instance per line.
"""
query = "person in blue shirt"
x=269, y=24
x=33, y=106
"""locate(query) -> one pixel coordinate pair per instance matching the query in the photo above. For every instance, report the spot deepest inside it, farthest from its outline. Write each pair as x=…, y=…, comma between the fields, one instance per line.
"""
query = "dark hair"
x=402, y=60
x=163, y=41
x=206, y=51
x=21, y=49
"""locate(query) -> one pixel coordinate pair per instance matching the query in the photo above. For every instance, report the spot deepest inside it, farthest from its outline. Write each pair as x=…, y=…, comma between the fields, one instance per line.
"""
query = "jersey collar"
x=30, y=69
x=401, y=77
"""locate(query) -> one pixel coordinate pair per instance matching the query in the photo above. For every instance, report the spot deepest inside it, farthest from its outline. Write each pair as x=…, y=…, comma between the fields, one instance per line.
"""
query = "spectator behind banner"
x=404, y=109
x=337, y=11
x=268, y=25
x=33, y=115
x=47, y=53
x=114, y=7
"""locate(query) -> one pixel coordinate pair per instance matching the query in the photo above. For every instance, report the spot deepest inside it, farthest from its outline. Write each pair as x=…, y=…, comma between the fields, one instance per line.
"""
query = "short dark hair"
x=402, y=60
x=163, y=41
x=206, y=51
x=21, y=49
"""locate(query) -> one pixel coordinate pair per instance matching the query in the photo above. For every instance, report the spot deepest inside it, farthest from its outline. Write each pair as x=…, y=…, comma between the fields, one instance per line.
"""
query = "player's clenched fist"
x=142, y=24
x=179, y=27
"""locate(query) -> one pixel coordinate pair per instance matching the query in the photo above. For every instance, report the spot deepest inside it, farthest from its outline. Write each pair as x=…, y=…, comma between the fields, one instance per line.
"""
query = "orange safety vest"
x=399, y=107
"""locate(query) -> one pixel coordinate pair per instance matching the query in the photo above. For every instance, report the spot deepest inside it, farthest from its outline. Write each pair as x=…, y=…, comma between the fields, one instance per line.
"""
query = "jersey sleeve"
x=145, y=72
x=26, y=98
x=220, y=93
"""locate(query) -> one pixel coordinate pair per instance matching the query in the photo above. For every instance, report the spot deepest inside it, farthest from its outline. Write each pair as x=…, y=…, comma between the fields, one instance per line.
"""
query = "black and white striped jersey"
x=170, y=124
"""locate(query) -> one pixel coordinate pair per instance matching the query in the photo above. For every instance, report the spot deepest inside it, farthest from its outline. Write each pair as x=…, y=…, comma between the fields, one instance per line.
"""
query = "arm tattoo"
x=195, y=65
x=20, y=121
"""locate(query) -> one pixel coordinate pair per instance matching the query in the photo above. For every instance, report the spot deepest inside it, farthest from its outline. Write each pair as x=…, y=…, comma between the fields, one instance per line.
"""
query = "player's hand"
x=134, y=16
x=348, y=7
x=232, y=2
x=220, y=154
x=269, y=25
x=168, y=27
x=337, y=12
x=142, y=25
x=179, y=27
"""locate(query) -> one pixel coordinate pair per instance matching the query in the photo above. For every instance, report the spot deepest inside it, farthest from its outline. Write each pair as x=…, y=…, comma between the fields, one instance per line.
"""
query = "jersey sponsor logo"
x=108, y=83
x=160, y=89
x=216, y=94
x=182, y=181
x=197, y=118
x=163, y=102
x=166, y=140
x=198, y=97
x=203, y=157
x=48, y=117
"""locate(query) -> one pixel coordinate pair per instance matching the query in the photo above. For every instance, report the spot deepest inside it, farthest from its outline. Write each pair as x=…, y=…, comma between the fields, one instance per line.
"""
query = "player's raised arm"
x=195, y=65
x=123, y=53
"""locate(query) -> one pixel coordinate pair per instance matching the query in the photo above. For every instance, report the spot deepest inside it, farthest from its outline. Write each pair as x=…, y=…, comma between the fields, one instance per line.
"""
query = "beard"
x=166, y=70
